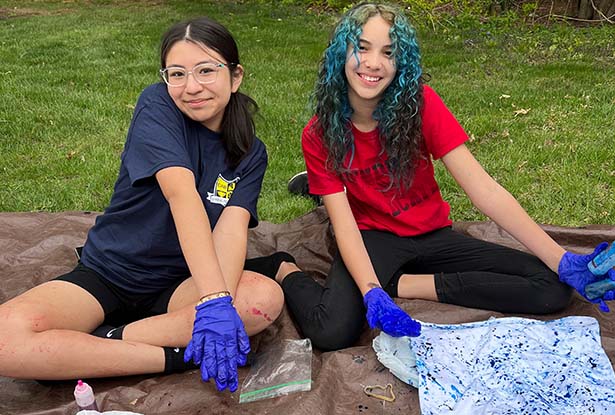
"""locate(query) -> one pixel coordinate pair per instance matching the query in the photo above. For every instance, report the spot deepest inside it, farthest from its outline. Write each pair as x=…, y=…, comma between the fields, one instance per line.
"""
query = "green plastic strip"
x=281, y=385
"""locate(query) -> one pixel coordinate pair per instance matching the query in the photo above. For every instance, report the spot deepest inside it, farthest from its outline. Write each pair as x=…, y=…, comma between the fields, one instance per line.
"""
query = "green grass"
x=72, y=71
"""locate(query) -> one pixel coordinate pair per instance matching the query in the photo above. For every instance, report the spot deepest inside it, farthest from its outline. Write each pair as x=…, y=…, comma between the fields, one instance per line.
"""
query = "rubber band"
x=369, y=391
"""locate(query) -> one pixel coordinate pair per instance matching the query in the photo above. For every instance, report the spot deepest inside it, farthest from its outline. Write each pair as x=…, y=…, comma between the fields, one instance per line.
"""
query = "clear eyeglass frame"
x=175, y=76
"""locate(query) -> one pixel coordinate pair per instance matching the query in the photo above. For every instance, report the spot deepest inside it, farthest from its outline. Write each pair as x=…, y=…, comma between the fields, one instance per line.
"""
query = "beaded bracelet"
x=213, y=296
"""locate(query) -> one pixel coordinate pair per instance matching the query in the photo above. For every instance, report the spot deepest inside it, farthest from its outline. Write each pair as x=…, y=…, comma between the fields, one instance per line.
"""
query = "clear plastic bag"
x=282, y=369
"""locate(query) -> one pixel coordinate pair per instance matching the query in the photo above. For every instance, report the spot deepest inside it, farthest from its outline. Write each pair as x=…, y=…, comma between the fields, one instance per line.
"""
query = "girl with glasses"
x=368, y=151
x=164, y=267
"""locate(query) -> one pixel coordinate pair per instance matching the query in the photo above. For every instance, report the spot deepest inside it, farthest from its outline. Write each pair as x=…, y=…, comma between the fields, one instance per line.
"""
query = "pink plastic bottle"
x=84, y=396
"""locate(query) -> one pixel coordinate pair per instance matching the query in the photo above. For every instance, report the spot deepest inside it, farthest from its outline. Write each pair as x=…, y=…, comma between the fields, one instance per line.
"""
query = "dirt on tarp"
x=35, y=247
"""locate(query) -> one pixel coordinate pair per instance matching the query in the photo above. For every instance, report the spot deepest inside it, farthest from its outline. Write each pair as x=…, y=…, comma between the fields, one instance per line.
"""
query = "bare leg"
x=421, y=286
x=43, y=335
x=285, y=269
x=258, y=301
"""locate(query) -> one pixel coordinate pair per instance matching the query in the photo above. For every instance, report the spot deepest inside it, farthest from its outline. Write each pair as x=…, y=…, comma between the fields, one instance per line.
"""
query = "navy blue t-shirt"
x=134, y=243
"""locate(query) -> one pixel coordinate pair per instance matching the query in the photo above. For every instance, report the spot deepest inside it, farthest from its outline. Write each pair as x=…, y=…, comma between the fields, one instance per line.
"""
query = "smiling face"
x=370, y=71
x=204, y=103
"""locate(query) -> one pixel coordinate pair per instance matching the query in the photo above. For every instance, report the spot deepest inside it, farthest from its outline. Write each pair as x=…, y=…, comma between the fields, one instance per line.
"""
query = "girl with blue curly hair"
x=368, y=151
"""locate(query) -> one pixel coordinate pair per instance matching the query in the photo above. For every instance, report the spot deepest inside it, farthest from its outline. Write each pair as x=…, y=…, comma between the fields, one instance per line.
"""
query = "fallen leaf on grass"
x=522, y=111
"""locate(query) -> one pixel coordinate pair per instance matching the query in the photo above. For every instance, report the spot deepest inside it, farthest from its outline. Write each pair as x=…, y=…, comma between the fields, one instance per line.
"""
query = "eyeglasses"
x=204, y=73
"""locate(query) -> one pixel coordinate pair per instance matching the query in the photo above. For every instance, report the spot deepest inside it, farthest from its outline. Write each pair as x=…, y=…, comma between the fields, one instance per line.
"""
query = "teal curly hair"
x=398, y=112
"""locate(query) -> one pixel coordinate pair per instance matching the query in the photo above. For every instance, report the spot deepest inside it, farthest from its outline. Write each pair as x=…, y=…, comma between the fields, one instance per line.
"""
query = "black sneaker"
x=298, y=185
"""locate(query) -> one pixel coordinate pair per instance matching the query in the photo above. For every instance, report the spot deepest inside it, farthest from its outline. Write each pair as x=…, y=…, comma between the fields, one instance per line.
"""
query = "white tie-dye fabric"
x=512, y=366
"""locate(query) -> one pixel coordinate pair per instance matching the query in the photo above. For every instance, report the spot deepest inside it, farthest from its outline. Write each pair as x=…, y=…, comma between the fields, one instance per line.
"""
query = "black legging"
x=468, y=272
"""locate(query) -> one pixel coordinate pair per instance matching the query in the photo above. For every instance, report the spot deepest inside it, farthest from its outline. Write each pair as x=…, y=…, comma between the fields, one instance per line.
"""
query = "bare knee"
x=17, y=326
x=259, y=301
x=19, y=320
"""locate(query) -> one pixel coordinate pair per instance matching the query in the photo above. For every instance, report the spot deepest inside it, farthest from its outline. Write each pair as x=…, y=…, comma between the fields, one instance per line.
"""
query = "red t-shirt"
x=419, y=210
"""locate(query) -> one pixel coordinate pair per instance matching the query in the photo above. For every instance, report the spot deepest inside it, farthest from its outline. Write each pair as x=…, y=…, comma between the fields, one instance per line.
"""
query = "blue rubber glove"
x=219, y=342
x=573, y=271
x=383, y=313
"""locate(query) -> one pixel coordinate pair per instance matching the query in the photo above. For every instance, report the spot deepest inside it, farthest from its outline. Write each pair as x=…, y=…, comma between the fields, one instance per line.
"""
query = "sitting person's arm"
x=230, y=237
x=219, y=340
x=498, y=204
x=382, y=312
x=193, y=228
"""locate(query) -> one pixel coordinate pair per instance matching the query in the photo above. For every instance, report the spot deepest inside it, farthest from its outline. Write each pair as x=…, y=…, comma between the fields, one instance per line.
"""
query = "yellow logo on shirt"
x=223, y=190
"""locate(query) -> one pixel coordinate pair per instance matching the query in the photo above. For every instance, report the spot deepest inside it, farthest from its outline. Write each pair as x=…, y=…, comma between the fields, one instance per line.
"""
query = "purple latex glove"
x=219, y=343
x=383, y=313
x=573, y=271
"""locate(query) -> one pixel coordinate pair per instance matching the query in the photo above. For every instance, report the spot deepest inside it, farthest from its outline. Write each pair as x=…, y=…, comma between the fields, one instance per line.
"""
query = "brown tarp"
x=35, y=247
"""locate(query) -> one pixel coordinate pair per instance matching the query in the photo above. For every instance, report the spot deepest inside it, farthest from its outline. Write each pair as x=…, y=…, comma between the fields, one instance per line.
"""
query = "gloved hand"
x=219, y=342
x=572, y=270
x=383, y=313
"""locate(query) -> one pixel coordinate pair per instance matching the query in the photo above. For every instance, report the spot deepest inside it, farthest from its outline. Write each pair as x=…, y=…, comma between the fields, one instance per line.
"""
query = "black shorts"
x=120, y=307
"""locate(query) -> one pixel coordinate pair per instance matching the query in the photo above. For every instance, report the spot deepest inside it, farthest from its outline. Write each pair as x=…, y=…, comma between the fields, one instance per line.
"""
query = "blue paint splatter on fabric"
x=505, y=366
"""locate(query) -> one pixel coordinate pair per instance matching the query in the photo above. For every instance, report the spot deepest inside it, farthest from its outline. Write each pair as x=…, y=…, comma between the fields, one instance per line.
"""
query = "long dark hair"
x=238, y=129
x=398, y=112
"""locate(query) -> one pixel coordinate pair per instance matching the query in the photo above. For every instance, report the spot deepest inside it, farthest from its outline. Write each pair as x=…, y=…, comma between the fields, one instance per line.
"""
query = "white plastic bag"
x=397, y=355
